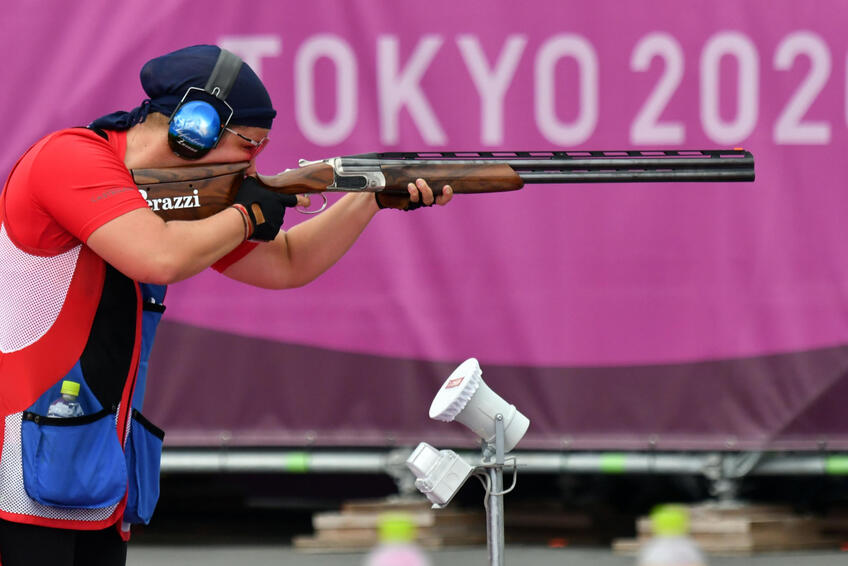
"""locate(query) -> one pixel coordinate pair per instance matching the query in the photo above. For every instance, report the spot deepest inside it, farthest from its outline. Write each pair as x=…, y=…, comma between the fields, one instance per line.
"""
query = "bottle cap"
x=396, y=527
x=70, y=388
x=670, y=520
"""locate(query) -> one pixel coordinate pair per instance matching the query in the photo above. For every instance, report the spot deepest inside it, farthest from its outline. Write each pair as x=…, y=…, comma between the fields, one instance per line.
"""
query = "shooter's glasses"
x=256, y=146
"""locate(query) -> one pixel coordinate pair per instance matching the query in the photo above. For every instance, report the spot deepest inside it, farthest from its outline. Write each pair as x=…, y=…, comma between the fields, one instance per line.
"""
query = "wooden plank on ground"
x=742, y=529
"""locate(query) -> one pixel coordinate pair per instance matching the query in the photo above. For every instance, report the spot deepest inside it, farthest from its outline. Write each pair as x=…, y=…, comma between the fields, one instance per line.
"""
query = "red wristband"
x=248, y=225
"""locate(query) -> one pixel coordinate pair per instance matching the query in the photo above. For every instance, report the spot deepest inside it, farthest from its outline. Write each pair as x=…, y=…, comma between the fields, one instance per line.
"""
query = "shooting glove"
x=265, y=208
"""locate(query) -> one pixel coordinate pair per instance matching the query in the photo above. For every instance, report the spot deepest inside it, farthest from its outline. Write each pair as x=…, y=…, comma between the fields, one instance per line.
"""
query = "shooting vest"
x=72, y=316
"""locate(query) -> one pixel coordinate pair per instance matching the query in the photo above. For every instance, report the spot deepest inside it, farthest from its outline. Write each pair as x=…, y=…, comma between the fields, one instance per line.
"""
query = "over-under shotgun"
x=193, y=192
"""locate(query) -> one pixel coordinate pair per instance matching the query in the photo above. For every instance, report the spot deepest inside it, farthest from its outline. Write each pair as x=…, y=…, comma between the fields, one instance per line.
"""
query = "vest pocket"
x=144, y=455
x=74, y=463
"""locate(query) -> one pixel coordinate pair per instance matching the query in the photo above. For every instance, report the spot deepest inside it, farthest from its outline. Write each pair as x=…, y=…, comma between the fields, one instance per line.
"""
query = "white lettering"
x=647, y=127
x=344, y=61
x=554, y=49
x=169, y=203
x=491, y=86
x=740, y=47
x=397, y=89
x=791, y=127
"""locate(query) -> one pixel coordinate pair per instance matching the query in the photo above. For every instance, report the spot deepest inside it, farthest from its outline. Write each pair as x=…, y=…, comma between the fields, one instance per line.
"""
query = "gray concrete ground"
x=209, y=521
x=210, y=555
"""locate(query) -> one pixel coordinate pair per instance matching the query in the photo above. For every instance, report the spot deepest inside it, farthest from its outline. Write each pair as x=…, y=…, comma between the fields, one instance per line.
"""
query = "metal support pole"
x=495, y=506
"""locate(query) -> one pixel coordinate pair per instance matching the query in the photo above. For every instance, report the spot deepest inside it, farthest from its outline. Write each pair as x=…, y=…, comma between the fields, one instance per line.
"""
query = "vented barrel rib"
x=584, y=166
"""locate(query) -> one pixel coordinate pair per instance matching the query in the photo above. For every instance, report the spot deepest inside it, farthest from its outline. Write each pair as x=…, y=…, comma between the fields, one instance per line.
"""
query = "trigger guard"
x=303, y=210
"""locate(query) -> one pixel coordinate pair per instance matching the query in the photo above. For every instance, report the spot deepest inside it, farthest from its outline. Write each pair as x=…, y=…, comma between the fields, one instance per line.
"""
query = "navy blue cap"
x=166, y=79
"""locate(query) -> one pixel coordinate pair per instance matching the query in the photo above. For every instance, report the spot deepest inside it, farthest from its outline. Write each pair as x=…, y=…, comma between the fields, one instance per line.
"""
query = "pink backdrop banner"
x=548, y=276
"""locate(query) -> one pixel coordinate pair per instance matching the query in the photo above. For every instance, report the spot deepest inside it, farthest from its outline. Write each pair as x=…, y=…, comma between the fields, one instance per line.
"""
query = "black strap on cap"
x=223, y=75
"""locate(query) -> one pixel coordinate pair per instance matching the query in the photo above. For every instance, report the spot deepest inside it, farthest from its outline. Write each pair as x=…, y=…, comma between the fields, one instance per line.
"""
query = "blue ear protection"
x=199, y=120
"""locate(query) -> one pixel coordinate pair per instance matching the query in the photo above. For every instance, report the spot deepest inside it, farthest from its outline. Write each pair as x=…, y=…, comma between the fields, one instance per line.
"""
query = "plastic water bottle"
x=67, y=405
x=396, y=546
x=671, y=544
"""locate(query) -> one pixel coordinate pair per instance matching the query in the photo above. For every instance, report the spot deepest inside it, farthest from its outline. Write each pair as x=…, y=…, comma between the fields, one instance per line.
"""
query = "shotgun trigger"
x=304, y=210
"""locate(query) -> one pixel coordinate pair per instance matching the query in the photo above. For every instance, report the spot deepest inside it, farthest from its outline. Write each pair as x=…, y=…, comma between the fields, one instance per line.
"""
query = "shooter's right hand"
x=264, y=208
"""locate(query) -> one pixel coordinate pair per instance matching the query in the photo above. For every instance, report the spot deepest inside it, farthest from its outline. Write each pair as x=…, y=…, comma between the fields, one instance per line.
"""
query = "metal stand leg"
x=495, y=506
x=494, y=520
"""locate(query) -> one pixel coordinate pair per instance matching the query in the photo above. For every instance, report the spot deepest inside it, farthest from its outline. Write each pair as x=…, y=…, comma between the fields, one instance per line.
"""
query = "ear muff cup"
x=202, y=115
x=194, y=129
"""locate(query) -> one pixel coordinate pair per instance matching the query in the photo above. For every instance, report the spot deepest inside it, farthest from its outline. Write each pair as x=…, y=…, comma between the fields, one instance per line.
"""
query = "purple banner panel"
x=550, y=275
x=597, y=278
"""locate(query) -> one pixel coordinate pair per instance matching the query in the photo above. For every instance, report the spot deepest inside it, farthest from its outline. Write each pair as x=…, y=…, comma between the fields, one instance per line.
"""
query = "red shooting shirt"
x=67, y=186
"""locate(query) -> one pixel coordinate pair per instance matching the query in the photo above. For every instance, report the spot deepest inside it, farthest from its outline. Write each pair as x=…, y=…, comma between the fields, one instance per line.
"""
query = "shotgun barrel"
x=628, y=166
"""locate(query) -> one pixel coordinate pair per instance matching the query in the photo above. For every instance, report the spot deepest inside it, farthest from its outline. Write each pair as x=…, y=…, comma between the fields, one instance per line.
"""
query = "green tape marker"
x=837, y=465
x=612, y=463
x=297, y=462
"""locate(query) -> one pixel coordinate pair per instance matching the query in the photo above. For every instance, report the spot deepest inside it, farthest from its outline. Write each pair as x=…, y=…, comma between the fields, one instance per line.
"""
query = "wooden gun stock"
x=312, y=178
x=189, y=193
